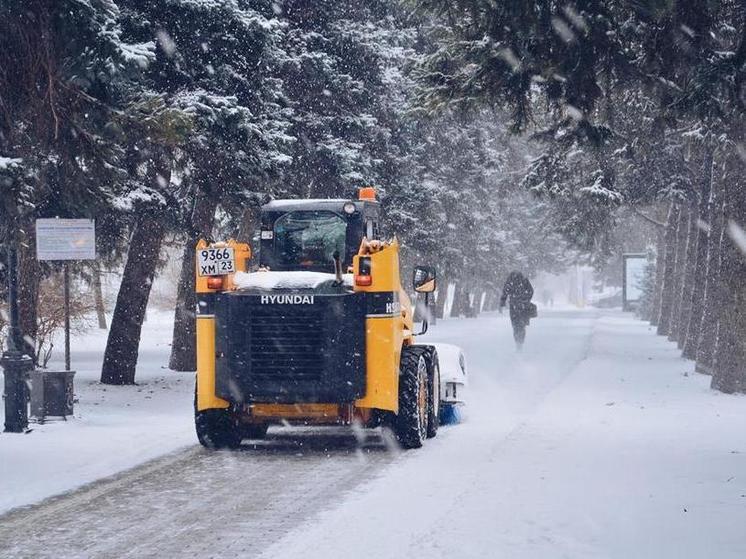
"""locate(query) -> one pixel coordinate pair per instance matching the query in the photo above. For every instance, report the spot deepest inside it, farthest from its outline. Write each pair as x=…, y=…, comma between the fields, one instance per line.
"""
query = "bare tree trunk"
x=120, y=357
x=459, y=301
x=488, y=299
x=183, y=346
x=470, y=303
x=669, y=263
x=250, y=224
x=682, y=231
x=496, y=298
x=729, y=366
x=440, y=301
x=660, y=260
x=431, y=311
x=29, y=276
x=712, y=295
x=98, y=295
x=478, y=302
x=687, y=289
x=691, y=338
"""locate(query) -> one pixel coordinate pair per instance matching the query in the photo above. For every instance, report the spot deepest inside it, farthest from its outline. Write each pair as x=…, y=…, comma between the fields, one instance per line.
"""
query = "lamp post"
x=16, y=366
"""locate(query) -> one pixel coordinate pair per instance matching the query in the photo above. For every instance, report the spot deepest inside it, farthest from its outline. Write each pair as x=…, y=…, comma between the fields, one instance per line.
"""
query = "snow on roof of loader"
x=315, y=203
x=283, y=205
x=285, y=280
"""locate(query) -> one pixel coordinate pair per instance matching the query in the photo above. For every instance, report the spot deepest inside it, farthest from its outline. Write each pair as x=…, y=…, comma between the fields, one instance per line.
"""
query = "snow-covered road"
x=596, y=441
x=196, y=503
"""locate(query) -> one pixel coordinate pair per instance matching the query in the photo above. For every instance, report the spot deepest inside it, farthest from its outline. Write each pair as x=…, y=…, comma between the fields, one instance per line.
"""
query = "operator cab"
x=304, y=235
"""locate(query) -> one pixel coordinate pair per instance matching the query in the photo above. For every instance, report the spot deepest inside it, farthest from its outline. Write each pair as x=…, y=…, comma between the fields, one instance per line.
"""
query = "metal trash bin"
x=51, y=394
x=16, y=369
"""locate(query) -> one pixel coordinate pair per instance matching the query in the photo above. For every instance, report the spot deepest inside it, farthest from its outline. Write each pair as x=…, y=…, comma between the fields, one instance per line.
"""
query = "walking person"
x=519, y=290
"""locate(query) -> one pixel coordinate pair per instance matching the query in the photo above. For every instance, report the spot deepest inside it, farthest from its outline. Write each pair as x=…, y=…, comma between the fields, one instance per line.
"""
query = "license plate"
x=215, y=261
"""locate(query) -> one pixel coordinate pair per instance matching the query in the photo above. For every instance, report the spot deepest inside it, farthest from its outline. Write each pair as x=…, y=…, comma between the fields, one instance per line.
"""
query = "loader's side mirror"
x=424, y=282
x=424, y=279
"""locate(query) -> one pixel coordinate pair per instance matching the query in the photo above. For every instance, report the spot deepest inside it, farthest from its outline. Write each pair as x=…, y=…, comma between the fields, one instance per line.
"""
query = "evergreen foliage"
x=181, y=116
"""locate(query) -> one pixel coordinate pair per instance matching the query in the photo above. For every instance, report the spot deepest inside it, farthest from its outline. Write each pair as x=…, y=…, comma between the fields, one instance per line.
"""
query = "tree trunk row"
x=466, y=302
x=700, y=293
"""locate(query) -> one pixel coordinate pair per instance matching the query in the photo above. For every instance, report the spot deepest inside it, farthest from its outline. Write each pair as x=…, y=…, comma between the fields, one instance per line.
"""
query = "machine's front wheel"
x=216, y=428
x=411, y=421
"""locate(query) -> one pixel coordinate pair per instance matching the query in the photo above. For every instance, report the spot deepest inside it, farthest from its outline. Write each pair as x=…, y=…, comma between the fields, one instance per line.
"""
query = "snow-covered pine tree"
x=339, y=56
x=147, y=202
x=585, y=63
x=217, y=63
x=65, y=75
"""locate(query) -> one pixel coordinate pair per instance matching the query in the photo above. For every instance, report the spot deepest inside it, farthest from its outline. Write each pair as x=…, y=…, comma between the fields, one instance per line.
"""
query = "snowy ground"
x=114, y=428
x=596, y=441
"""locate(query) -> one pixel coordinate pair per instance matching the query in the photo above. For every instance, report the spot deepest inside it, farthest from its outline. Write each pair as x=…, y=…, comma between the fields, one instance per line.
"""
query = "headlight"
x=349, y=208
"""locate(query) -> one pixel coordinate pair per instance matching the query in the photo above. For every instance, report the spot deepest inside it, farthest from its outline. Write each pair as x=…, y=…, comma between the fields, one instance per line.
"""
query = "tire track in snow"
x=200, y=503
x=408, y=511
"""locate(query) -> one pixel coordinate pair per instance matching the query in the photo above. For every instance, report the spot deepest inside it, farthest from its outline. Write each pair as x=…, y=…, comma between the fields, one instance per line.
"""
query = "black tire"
x=433, y=397
x=411, y=421
x=216, y=428
x=255, y=431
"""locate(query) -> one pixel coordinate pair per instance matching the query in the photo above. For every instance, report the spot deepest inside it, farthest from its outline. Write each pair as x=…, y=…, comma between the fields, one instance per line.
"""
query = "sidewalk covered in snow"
x=597, y=440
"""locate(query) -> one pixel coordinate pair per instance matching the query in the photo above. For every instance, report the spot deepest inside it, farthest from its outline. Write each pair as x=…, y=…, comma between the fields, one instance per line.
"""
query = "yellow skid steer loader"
x=321, y=333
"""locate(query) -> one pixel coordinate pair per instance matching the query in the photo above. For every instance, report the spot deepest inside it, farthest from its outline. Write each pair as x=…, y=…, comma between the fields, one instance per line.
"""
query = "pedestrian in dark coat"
x=519, y=290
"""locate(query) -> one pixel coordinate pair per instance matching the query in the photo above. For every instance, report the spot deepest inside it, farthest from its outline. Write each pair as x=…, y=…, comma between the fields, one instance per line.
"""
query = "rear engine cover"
x=290, y=347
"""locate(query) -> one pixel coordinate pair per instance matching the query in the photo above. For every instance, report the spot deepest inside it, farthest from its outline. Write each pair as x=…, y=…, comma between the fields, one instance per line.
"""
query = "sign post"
x=66, y=281
x=66, y=239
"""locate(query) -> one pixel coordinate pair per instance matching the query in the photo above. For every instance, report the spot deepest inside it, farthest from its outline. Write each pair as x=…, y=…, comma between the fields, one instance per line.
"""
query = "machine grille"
x=290, y=352
x=287, y=342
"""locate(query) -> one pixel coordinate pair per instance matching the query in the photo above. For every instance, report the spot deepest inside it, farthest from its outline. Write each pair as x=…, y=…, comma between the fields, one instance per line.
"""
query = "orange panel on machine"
x=296, y=411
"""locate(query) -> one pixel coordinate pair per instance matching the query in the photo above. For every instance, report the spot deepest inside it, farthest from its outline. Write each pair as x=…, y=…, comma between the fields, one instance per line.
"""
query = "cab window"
x=308, y=240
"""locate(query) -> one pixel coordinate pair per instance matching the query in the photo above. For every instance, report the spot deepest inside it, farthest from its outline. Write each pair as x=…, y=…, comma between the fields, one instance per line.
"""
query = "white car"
x=452, y=381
